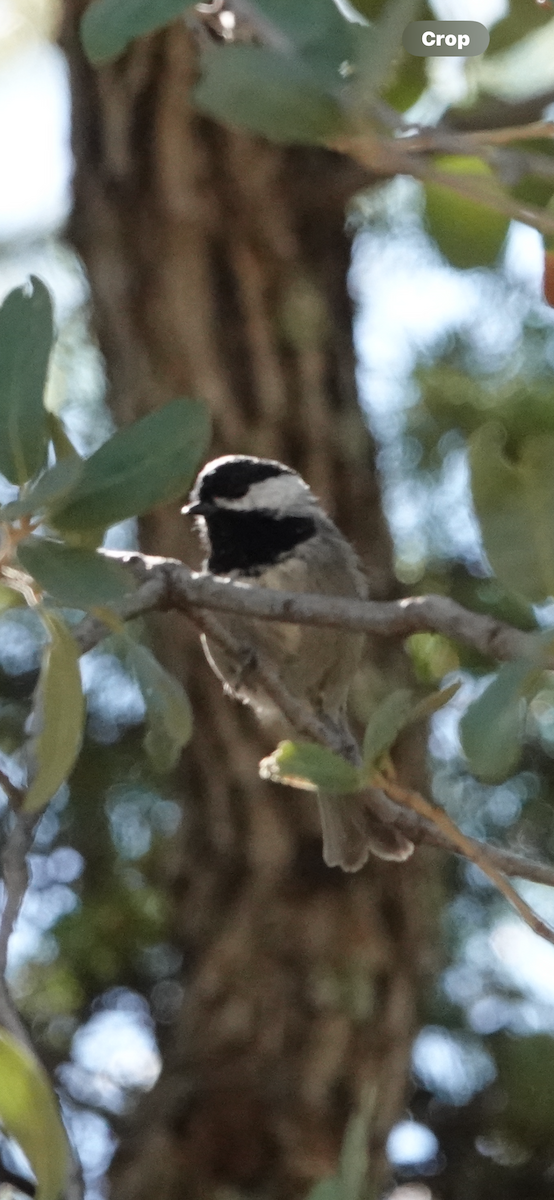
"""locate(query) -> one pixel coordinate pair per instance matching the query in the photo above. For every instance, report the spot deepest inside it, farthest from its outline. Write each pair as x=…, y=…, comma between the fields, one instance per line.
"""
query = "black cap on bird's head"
x=253, y=512
x=227, y=481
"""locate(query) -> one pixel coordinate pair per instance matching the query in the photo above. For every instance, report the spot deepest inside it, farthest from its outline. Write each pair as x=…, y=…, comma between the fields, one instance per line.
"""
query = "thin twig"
x=425, y=822
x=428, y=139
x=390, y=157
x=165, y=584
x=13, y=793
x=470, y=849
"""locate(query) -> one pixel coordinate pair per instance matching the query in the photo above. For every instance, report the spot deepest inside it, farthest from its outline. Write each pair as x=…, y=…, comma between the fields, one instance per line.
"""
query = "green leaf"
x=74, y=577
x=468, y=233
x=380, y=47
x=315, y=768
x=268, y=93
x=26, y=334
x=514, y=502
x=492, y=729
x=9, y=598
x=146, y=464
x=531, y=189
x=385, y=724
x=29, y=1113
x=522, y=19
x=486, y=595
x=108, y=26
x=318, y=33
x=350, y=1181
x=526, y=1079
x=354, y=1158
x=410, y=80
x=168, y=709
x=53, y=486
x=433, y=703
x=433, y=656
x=326, y=1189
x=59, y=712
x=373, y=9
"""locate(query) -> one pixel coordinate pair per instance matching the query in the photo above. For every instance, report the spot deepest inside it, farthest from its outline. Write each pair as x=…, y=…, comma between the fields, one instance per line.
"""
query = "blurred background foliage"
x=96, y=966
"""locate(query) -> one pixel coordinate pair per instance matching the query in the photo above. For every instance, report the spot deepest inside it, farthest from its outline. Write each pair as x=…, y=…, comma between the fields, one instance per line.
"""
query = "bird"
x=260, y=525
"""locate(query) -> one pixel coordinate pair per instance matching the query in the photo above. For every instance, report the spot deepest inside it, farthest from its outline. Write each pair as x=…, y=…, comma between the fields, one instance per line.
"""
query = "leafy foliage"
x=59, y=716
x=29, y=1113
x=303, y=765
x=492, y=728
x=109, y=25
x=150, y=463
x=515, y=504
x=269, y=94
x=469, y=234
x=350, y=1181
x=74, y=577
x=49, y=489
x=169, y=714
x=385, y=724
x=313, y=76
x=318, y=33
x=26, y=334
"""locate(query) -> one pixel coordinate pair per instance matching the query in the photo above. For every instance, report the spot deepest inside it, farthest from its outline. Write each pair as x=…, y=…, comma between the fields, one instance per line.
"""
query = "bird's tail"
x=351, y=832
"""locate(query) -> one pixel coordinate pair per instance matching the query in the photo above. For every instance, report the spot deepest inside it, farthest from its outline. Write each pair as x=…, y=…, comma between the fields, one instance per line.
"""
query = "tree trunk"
x=218, y=266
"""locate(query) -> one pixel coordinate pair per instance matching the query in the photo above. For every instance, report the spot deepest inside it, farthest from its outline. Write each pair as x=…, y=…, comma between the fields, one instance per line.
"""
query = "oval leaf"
x=385, y=724
x=317, y=30
x=492, y=729
x=26, y=335
x=515, y=506
x=29, y=1113
x=268, y=93
x=48, y=491
x=9, y=598
x=468, y=233
x=326, y=1189
x=149, y=463
x=437, y=700
x=109, y=25
x=315, y=768
x=59, y=712
x=168, y=709
x=74, y=577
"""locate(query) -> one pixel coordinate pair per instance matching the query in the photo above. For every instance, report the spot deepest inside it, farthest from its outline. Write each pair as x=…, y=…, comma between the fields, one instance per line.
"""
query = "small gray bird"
x=262, y=526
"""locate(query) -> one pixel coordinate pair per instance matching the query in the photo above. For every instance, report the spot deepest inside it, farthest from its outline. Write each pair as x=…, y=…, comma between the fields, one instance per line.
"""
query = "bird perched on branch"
x=262, y=526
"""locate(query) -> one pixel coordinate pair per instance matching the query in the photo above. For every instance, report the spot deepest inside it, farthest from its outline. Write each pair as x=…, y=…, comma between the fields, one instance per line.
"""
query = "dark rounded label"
x=445, y=39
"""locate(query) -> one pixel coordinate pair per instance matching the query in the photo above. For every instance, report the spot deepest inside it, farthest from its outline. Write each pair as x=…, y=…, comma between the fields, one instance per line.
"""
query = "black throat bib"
x=250, y=541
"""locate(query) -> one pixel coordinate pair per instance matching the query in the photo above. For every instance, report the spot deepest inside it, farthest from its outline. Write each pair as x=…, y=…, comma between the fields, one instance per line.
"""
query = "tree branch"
x=450, y=142
x=476, y=852
x=388, y=800
x=165, y=584
x=13, y=793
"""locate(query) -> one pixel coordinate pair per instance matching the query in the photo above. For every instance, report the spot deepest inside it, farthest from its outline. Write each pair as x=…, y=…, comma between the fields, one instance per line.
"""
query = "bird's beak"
x=196, y=509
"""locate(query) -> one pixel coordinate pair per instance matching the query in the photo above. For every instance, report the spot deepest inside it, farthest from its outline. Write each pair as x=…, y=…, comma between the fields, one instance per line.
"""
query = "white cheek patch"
x=278, y=492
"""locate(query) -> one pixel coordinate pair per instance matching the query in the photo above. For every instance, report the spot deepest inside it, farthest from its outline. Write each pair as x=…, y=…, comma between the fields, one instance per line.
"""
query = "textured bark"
x=218, y=268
